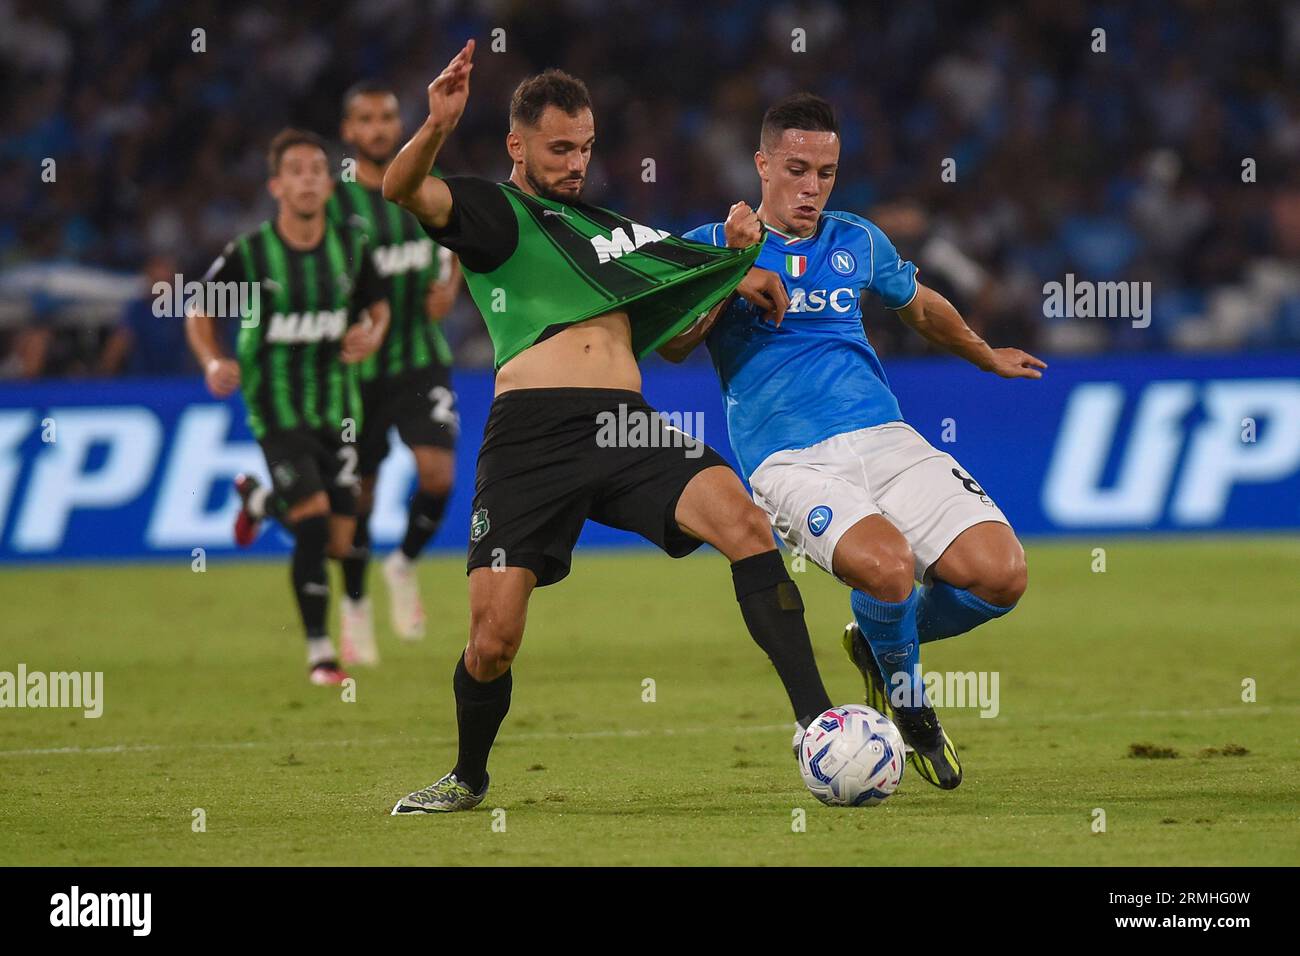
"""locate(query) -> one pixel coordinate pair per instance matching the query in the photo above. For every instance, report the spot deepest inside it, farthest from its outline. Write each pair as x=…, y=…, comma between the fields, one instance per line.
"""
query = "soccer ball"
x=851, y=756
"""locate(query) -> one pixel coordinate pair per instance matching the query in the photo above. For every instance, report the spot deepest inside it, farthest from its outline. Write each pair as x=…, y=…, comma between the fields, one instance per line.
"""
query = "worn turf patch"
x=1229, y=750
x=1152, y=752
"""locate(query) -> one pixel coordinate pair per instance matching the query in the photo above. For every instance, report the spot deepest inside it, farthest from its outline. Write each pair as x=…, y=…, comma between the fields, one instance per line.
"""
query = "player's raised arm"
x=407, y=181
x=938, y=321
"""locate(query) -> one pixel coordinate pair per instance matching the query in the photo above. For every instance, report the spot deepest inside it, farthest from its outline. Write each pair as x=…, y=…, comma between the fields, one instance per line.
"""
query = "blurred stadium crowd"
x=1123, y=164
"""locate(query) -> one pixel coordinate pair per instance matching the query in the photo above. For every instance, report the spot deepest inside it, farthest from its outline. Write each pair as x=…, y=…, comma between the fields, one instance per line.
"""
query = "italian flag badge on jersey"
x=796, y=265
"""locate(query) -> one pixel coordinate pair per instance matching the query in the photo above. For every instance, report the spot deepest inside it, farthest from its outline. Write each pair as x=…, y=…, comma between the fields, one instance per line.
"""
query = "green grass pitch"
x=207, y=707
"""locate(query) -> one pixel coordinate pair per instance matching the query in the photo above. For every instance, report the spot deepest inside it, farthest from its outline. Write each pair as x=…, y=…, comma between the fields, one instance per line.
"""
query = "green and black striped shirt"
x=407, y=261
x=536, y=266
x=290, y=336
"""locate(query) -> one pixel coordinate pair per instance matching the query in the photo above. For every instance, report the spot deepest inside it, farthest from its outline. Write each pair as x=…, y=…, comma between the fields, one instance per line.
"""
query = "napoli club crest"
x=842, y=262
x=819, y=519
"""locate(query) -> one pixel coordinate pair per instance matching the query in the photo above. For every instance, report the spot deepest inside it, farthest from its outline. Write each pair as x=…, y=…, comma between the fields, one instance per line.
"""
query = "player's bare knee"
x=883, y=569
x=737, y=527
x=435, y=470
x=317, y=506
x=753, y=529
x=1004, y=579
x=493, y=645
x=434, y=483
x=494, y=637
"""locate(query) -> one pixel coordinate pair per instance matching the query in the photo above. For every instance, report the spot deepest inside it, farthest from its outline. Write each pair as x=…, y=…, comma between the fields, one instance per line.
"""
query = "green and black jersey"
x=535, y=266
x=291, y=334
x=407, y=262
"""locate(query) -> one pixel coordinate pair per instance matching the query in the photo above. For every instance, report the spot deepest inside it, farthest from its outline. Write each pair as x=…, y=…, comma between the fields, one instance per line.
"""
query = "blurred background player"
x=822, y=440
x=407, y=383
x=314, y=279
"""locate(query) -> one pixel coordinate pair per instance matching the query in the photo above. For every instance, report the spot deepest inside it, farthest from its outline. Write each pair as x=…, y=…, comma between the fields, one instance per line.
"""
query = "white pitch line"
x=254, y=744
x=1243, y=710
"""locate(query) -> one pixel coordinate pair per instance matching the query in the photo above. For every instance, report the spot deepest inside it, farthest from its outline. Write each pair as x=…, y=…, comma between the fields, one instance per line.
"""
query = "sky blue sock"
x=945, y=611
x=890, y=629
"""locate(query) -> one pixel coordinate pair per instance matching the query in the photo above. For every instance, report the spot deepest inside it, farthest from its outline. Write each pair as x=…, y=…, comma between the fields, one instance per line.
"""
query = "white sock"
x=401, y=560
x=319, y=649
x=257, y=502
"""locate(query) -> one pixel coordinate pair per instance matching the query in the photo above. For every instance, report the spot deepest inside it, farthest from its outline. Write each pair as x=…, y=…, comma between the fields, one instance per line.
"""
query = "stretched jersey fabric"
x=535, y=266
x=290, y=336
x=815, y=375
x=407, y=262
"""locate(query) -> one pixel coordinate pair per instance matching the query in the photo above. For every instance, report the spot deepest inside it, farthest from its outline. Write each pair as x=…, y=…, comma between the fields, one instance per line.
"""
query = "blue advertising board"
x=128, y=469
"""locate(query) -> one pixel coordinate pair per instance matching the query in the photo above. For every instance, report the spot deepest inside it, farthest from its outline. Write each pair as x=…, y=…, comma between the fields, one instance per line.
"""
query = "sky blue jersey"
x=816, y=375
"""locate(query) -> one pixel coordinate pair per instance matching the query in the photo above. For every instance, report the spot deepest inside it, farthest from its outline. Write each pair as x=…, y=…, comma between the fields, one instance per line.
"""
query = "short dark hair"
x=370, y=87
x=287, y=138
x=798, y=111
x=549, y=88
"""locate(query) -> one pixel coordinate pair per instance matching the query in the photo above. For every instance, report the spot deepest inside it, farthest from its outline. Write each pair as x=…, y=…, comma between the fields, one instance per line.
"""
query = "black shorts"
x=420, y=403
x=553, y=457
x=303, y=462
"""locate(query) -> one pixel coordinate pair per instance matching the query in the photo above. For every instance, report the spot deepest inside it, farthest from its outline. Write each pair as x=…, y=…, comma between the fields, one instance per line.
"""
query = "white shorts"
x=813, y=495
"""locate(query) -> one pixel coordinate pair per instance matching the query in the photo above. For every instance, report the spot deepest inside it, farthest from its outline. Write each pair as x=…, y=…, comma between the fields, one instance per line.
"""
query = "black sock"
x=422, y=523
x=310, y=585
x=480, y=708
x=358, y=559
x=773, y=612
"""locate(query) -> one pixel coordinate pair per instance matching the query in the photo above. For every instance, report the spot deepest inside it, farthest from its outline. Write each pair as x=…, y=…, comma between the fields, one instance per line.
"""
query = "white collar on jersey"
x=791, y=240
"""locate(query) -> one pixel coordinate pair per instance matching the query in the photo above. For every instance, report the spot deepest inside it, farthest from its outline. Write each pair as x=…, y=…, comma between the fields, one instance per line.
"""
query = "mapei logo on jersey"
x=305, y=327
x=816, y=300
x=819, y=519
x=409, y=256
x=1190, y=445
x=619, y=244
